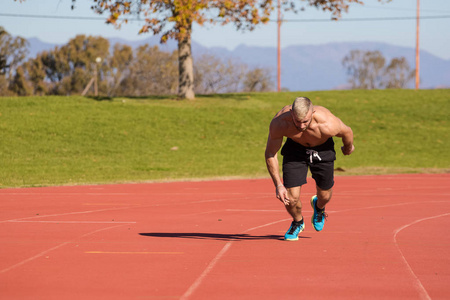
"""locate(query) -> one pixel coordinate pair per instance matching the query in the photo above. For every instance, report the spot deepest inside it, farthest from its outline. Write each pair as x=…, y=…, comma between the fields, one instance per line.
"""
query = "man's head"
x=302, y=111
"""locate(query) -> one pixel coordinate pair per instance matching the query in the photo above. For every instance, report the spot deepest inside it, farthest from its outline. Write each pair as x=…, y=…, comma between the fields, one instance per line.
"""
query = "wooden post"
x=95, y=81
x=87, y=86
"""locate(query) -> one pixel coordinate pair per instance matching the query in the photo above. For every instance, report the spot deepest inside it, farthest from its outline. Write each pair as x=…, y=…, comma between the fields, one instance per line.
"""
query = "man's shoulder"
x=281, y=116
x=321, y=110
x=322, y=114
x=284, y=110
x=327, y=122
x=280, y=122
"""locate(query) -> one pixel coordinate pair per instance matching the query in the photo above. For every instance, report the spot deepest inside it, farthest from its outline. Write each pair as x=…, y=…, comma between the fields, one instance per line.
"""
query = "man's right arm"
x=272, y=148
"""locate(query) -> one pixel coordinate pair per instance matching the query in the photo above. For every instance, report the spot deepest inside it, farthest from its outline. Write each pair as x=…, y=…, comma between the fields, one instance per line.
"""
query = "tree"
x=36, y=75
x=75, y=83
x=152, y=72
x=258, y=80
x=55, y=65
x=174, y=19
x=82, y=51
x=215, y=75
x=13, y=51
x=70, y=66
x=365, y=68
x=398, y=74
x=119, y=67
x=4, y=91
x=19, y=84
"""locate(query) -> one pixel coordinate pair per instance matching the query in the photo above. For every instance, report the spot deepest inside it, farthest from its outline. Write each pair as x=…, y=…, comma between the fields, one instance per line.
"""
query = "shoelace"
x=293, y=228
x=321, y=215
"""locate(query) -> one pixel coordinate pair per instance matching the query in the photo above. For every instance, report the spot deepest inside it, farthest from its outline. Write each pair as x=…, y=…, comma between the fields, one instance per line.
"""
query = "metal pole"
x=279, y=49
x=417, y=46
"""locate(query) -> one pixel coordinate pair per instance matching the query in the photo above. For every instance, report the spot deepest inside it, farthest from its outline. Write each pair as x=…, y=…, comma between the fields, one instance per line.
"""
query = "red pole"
x=417, y=46
x=279, y=49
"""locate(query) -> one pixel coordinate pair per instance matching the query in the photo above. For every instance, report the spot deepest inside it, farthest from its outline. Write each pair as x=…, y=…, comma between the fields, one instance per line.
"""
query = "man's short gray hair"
x=301, y=107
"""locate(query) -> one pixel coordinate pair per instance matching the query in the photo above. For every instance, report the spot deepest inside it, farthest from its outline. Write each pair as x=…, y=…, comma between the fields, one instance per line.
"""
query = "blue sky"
x=434, y=32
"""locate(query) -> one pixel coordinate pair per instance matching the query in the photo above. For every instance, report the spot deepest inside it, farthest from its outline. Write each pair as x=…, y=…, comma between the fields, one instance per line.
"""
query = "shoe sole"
x=314, y=209
x=296, y=239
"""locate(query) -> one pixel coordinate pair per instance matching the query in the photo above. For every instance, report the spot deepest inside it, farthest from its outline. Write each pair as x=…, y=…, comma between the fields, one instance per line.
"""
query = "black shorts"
x=319, y=159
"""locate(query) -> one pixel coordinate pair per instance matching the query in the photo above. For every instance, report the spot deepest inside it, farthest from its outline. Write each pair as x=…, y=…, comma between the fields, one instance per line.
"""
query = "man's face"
x=304, y=123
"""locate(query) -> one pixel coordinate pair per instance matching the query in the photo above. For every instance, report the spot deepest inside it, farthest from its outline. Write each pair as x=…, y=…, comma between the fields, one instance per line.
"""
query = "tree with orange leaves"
x=174, y=19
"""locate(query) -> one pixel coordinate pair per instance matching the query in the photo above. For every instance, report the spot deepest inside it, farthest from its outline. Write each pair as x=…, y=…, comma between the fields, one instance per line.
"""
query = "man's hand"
x=282, y=194
x=348, y=150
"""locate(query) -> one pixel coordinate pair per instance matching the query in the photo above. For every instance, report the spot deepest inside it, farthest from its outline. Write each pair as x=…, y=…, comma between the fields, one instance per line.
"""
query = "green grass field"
x=77, y=140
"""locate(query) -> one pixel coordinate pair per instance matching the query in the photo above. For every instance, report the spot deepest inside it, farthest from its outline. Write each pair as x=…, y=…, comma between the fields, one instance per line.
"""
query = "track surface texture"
x=386, y=237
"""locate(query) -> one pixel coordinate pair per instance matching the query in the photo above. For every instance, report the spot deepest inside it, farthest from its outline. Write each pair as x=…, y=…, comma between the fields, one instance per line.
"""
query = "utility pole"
x=279, y=48
x=417, y=46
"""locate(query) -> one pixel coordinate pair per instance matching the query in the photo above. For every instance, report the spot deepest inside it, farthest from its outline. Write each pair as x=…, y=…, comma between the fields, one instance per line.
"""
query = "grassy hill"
x=77, y=140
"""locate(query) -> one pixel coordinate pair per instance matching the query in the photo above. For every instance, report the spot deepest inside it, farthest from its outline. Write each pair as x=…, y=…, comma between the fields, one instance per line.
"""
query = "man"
x=309, y=130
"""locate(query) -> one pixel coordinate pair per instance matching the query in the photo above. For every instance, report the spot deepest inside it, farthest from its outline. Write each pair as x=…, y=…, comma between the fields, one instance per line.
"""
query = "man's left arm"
x=346, y=134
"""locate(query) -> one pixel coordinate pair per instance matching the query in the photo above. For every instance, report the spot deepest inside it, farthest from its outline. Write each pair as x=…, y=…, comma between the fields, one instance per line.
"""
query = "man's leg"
x=318, y=203
x=323, y=197
x=294, y=176
x=295, y=210
x=295, y=205
x=323, y=174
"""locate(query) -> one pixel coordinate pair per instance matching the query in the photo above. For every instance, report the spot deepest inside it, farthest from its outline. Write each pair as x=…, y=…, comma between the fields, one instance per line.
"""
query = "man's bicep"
x=339, y=128
x=273, y=145
x=343, y=130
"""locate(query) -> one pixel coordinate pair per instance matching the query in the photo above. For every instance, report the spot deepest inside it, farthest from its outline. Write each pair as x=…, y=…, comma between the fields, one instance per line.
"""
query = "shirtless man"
x=309, y=130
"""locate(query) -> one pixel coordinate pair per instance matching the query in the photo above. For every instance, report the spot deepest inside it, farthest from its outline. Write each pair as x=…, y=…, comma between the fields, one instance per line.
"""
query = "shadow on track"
x=215, y=236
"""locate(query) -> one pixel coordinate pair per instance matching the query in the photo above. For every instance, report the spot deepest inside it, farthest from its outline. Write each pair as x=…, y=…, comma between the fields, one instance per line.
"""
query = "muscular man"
x=309, y=130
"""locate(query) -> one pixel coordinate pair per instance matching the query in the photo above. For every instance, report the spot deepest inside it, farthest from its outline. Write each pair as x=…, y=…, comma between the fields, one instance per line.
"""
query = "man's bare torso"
x=318, y=132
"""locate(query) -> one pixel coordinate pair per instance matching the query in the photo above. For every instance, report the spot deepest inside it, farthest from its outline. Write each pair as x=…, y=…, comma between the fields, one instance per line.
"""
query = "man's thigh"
x=294, y=173
x=323, y=174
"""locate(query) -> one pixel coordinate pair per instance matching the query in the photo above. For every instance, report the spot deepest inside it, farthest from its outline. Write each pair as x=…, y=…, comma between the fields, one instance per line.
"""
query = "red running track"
x=386, y=237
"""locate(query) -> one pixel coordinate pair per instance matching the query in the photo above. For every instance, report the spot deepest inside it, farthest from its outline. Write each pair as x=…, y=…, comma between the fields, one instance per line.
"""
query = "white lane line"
x=68, y=214
x=130, y=252
x=387, y=205
x=257, y=210
x=122, y=208
x=54, y=248
x=70, y=222
x=418, y=284
x=211, y=265
x=214, y=261
x=205, y=272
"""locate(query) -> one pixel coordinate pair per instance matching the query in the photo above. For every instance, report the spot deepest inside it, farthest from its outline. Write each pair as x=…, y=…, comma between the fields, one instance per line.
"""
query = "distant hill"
x=36, y=46
x=304, y=67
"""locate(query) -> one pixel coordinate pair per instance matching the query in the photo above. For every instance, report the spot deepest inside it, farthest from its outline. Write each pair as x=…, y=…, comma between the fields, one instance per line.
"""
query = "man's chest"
x=308, y=138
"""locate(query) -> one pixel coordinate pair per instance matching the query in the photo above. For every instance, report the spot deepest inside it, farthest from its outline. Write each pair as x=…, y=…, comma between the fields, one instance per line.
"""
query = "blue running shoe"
x=319, y=216
x=294, y=230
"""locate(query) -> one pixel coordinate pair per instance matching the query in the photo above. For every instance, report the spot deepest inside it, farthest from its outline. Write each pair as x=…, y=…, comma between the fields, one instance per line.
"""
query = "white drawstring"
x=312, y=153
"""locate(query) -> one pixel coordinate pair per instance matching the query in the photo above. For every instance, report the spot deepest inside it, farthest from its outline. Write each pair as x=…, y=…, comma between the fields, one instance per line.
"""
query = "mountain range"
x=303, y=67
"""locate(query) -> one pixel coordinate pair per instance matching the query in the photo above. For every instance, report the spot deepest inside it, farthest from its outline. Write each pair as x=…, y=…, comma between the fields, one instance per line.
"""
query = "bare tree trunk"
x=185, y=68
